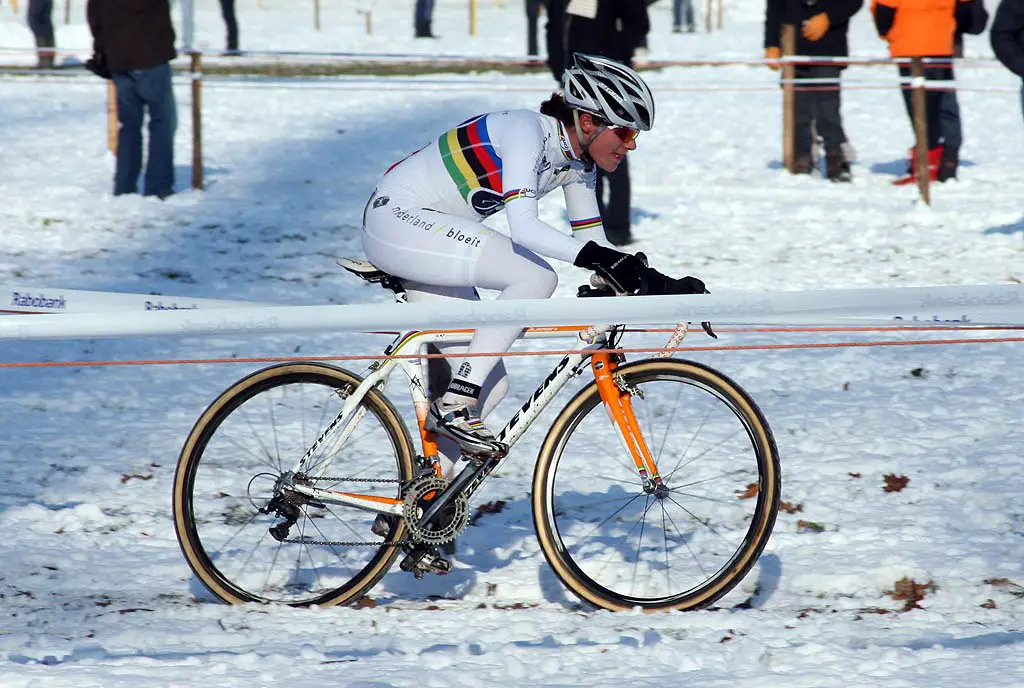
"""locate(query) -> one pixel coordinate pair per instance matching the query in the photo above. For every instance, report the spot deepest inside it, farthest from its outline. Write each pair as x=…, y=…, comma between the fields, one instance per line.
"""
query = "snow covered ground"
x=94, y=590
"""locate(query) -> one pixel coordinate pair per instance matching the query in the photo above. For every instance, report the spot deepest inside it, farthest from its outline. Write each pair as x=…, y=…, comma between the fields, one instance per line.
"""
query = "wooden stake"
x=14, y=6
x=788, y=95
x=472, y=17
x=316, y=14
x=67, y=11
x=721, y=11
x=707, y=15
x=919, y=105
x=113, y=126
x=197, y=120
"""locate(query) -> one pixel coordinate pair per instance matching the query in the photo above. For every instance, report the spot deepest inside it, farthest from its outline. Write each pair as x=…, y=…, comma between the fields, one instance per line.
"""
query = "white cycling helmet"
x=610, y=90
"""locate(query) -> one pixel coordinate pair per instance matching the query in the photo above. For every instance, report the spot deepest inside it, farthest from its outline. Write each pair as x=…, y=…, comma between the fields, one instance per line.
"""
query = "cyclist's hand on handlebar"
x=625, y=274
x=657, y=284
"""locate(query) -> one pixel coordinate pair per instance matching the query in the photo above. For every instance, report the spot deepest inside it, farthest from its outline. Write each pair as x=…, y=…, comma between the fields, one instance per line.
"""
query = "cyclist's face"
x=611, y=145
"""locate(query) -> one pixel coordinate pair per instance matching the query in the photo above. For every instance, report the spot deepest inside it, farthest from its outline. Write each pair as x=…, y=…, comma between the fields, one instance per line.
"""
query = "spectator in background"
x=424, y=18
x=40, y=22
x=533, y=8
x=554, y=37
x=227, y=10
x=682, y=14
x=925, y=28
x=1007, y=36
x=133, y=44
x=612, y=29
x=970, y=19
x=821, y=32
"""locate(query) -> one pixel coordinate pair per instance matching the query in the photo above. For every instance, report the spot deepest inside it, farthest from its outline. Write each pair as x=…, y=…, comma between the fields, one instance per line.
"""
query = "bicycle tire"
x=226, y=455
x=582, y=549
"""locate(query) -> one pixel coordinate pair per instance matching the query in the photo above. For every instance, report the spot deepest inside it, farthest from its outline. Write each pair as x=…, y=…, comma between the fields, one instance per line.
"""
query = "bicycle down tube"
x=616, y=401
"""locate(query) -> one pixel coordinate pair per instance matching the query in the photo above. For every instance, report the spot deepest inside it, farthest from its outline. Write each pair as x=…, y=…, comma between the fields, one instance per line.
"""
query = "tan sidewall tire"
x=770, y=486
x=374, y=398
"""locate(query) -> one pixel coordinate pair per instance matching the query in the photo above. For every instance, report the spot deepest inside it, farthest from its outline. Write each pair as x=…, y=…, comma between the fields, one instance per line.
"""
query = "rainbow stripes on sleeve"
x=589, y=223
x=470, y=158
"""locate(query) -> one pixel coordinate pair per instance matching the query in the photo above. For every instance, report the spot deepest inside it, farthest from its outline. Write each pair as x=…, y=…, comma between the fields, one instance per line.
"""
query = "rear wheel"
x=244, y=444
x=618, y=545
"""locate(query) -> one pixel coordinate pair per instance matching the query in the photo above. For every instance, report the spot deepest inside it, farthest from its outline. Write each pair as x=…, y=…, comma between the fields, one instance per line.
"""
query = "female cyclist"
x=423, y=221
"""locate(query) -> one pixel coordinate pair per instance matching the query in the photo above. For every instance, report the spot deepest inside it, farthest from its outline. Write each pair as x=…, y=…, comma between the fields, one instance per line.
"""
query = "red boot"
x=934, y=160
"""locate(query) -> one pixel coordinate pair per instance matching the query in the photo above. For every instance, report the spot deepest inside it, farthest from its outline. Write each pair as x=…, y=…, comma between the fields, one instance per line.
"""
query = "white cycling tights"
x=442, y=256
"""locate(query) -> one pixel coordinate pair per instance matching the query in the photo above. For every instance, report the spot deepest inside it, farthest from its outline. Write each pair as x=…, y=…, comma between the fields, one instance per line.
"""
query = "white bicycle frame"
x=589, y=340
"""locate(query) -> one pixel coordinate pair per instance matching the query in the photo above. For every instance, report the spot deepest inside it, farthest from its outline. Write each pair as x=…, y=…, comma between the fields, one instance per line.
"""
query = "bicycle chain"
x=343, y=543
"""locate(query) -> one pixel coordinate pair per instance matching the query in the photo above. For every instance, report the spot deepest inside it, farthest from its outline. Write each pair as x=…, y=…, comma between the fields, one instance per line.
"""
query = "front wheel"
x=618, y=544
x=227, y=485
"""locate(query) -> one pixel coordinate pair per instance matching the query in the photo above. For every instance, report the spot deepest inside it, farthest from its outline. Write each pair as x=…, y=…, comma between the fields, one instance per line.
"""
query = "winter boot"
x=947, y=166
x=45, y=53
x=934, y=158
x=836, y=167
x=423, y=30
x=802, y=165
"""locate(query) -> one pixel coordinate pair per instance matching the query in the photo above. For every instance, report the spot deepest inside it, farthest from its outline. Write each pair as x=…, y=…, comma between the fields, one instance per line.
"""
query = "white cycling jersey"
x=501, y=160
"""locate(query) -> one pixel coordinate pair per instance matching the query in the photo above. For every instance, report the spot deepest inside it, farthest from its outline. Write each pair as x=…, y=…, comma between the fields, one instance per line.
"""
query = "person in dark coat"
x=1007, y=36
x=423, y=18
x=821, y=27
x=612, y=29
x=40, y=22
x=554, y=37
x=227, y=10
x=133, y=44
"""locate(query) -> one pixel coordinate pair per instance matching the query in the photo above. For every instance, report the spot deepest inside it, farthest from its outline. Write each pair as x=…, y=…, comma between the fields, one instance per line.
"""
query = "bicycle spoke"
x=615, y=551
x=229, y=543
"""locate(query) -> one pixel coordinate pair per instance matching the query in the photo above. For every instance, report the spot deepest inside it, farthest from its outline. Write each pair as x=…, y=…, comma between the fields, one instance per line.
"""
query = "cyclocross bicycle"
x=657, y=485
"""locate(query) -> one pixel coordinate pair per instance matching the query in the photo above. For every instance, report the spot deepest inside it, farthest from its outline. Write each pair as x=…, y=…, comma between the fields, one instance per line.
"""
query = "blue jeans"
x=424, y=11
x=40, y=22
x=679, y=9
x=139, y=90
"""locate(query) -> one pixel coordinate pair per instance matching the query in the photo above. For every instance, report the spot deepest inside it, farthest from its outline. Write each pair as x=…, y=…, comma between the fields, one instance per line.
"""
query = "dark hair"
x=556, y=107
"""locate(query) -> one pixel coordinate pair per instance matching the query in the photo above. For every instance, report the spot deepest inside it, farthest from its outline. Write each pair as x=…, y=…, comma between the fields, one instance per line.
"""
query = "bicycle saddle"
x=372, y=274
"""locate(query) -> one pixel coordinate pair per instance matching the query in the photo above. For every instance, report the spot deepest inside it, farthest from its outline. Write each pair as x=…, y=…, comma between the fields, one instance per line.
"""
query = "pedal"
x=423, y=561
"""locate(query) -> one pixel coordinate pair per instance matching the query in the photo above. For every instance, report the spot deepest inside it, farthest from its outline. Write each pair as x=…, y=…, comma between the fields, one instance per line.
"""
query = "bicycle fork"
x=618, y=402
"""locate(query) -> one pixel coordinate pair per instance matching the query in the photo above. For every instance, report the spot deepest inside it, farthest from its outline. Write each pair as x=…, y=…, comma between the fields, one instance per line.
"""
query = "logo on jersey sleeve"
x=474, y=166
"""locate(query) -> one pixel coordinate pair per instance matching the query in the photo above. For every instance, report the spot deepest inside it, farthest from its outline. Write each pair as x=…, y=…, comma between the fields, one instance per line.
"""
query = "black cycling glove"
x=657, y=284
x=625, y=273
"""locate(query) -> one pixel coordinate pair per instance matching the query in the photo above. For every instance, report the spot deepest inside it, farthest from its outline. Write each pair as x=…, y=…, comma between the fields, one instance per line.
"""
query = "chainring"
x=452, y=520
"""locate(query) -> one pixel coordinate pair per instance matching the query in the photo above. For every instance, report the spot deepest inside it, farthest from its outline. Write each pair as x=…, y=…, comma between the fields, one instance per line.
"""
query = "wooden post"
x=316, y=14
x=67, y=11
x=472, y=17
x=113, y=126
x=197, y=120
x=788, y=95
x=919, y=105
x=709, y=10
x=14, y=6
x=719, y=18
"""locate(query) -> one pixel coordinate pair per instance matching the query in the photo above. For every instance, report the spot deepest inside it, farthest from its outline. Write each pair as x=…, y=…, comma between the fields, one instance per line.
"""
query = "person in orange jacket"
x=924, y=28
